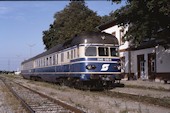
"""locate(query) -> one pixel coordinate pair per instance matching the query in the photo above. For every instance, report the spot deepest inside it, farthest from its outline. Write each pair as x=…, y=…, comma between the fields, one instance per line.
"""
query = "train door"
x=151, y=65
x=141, y=66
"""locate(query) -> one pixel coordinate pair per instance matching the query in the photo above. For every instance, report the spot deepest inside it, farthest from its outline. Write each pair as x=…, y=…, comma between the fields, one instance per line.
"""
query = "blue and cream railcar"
x=90, y=58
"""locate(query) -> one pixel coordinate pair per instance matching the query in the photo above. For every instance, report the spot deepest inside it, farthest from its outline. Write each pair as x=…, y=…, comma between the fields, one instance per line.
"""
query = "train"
x=88, y=60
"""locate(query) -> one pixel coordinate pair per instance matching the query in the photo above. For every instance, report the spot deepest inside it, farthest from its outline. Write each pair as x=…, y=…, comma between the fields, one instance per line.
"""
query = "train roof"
x=90, y=37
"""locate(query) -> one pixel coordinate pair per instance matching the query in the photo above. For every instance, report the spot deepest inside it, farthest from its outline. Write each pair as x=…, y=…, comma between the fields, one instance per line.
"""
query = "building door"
x=141, y=66
x=151, y=65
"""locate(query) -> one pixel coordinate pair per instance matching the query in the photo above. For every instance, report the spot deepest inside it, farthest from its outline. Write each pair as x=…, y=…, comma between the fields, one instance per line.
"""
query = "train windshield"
x=90, y=51
x=103, y=51
x=114, y=51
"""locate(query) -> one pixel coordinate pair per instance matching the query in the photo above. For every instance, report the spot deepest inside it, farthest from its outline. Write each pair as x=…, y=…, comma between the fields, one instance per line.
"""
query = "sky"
x=22, y=23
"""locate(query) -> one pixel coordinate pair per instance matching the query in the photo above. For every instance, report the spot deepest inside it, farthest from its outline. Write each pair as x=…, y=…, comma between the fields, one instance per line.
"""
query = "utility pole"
x=31, y=45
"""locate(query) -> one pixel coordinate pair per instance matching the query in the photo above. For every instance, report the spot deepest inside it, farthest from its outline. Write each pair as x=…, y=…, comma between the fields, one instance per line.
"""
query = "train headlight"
x=118, y=67
x=90, y=67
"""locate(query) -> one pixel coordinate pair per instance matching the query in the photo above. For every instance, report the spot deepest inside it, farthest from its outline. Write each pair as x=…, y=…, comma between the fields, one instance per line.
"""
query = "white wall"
x=134, y=59
x=162, y=59
x=125, y=54
x=118, y=35
x=162, y=55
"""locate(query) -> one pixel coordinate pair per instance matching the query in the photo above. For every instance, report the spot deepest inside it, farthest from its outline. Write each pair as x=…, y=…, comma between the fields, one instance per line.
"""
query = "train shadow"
x=120, y=85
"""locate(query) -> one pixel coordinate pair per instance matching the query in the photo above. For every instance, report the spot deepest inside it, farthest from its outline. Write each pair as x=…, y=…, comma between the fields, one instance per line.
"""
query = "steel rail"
x=69, y=107
x=30, y=110
x=24, y=104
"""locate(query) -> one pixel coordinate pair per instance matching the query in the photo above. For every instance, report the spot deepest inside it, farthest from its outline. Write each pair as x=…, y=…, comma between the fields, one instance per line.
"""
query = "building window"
x=121, y=36
x=114, y=33
x=152, y=65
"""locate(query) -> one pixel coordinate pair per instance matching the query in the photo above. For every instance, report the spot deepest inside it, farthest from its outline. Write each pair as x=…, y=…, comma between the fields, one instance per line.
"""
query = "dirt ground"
x=95, y=102
x=157, y=84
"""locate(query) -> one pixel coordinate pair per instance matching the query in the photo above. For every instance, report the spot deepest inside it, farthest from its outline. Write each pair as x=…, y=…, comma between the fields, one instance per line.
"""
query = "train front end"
x=100, y=65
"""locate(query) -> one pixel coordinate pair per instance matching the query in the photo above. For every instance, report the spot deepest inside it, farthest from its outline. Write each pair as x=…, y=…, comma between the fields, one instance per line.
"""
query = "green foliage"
x=73, y=19
x=105, y=19
x=147, y=19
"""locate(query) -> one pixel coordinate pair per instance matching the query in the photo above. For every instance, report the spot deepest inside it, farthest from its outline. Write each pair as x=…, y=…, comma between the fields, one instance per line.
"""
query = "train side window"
x=71, y=54
x=47, y=61
x=40, y=62
x=68, y=56
x=50, y=60
x=53, y=59
x=44, y=61
x=103, y=51
x=77, y=51
x=113, y=51
x=56, y=58
x=74, y=53
x=62, y=57
x=90, y=51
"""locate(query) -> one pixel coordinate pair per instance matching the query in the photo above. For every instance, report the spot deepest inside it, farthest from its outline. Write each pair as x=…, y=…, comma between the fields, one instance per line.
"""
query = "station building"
x=148, y=61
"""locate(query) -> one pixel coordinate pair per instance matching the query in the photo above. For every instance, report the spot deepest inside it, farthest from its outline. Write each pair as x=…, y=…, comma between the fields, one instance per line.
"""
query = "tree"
x=73, y=19
x=105, y=18
x=147, y=19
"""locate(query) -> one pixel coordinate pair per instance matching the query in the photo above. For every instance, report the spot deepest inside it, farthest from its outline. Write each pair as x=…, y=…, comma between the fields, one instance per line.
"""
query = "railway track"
x=35, y=102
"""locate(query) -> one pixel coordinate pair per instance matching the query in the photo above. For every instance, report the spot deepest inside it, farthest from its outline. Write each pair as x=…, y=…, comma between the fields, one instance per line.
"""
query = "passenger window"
x=78, y=52
x=62, y=57
x=53, y=59
x=68, y=55
x=90, y=51
x=50, y=61
x=46, y=61
x=57, y=59
x=74, y=53
x=71, y=54
x=103, y=51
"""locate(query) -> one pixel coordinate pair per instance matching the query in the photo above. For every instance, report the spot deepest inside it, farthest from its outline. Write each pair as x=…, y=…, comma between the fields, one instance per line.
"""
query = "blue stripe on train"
x=95, y=59
x=80, y=67
x=76, y=67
